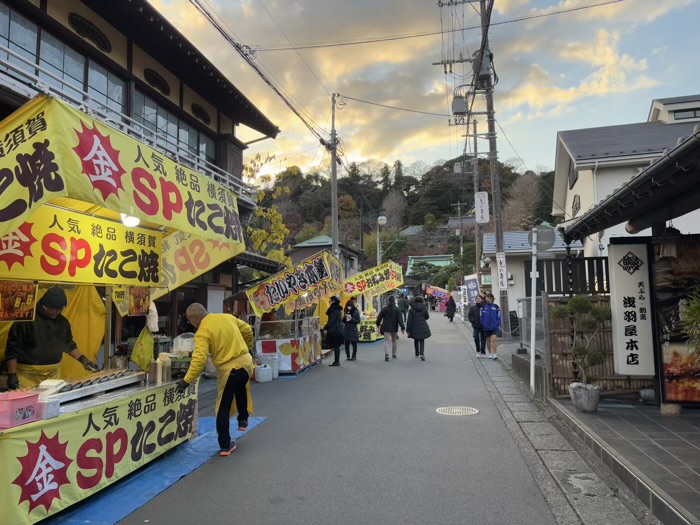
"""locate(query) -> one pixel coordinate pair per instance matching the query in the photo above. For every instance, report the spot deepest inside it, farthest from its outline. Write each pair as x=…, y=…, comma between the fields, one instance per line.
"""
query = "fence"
x=553, y=342
x=589, y=275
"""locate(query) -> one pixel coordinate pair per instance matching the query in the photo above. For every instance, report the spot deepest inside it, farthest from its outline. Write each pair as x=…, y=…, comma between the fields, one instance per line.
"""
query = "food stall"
x=439, y=294
x=68, y=184
x=370, y=284
x=287, y=306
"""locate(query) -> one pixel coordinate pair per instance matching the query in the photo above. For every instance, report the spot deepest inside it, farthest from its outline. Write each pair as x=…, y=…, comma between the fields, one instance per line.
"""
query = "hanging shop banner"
x=471, y=283
x=375, y=281
x=61, y=245
x=53, y=150
x=184, y=257
x=502, y=271
x=52, y=464
x=17, y=300
x=438, y=293
x=310, y=281
x=139, y=300
x=630, y=301
x=481, y=205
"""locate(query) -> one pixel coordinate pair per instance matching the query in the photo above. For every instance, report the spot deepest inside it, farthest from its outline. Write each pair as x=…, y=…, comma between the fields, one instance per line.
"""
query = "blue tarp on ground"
x=114, y=503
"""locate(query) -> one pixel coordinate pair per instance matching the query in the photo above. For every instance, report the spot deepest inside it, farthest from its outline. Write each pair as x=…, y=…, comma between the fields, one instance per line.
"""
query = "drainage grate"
x=457, y=411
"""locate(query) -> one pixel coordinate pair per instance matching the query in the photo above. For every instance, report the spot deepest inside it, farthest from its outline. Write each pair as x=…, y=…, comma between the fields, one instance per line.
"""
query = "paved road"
x=363, y=444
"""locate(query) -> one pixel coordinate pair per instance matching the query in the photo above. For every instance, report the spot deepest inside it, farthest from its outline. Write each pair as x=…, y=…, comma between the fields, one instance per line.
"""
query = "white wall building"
x=592, y=163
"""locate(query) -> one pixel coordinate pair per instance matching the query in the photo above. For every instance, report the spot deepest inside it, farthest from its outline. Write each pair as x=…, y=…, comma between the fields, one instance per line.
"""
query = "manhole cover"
x=457, y=411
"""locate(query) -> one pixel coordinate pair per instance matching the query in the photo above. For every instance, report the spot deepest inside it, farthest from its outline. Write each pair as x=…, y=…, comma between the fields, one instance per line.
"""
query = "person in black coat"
x=351, y=320
x=389, y=320
x=334, y=328
x=477, y=330
x=417, y=326
x=450, y=308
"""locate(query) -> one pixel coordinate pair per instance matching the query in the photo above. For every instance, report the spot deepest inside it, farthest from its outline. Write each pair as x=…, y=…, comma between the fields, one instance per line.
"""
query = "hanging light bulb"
x=129, y=221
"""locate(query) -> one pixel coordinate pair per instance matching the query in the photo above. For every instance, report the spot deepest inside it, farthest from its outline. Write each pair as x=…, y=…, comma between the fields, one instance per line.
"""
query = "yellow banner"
x=60, y=245
x=50, y=465
x=185, y=257
x=53, y=150
x=311, y=280
x=375, y=281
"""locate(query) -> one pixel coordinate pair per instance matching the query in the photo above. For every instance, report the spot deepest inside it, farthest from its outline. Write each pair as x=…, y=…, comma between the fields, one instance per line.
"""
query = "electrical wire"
x=395, y=107
x=340, y=43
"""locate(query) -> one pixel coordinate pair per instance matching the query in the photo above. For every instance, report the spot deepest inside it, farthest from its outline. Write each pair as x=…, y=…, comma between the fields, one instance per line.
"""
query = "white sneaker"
x=491, y=356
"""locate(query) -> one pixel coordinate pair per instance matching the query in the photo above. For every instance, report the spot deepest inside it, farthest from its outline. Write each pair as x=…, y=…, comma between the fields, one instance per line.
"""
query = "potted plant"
x=585, y=320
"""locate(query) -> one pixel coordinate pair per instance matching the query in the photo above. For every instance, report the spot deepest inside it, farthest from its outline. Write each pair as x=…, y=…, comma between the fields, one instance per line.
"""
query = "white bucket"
x=273, y=361
x=263, y=374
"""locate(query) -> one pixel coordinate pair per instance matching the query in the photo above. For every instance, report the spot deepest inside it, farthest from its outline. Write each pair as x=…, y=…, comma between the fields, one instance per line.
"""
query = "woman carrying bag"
x=450, y=308
x=351, y=320
x=417, y=326
x=334, y=329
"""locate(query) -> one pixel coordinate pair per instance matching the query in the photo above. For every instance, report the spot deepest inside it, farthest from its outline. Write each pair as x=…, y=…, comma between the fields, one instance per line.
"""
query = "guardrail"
x=96, y=109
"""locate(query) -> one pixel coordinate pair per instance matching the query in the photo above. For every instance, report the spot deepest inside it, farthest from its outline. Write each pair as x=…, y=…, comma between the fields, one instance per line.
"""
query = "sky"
x=580, y=69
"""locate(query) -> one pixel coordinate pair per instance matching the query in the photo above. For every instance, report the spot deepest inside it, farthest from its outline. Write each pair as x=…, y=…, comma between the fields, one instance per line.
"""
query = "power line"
x=395, y=107
x=341, y=43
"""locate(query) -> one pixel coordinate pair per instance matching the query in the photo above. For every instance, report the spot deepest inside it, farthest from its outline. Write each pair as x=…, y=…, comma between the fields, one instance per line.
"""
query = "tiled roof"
x=516, y=242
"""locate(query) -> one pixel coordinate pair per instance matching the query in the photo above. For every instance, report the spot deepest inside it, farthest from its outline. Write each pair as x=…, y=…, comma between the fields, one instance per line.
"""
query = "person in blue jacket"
x=491, y=323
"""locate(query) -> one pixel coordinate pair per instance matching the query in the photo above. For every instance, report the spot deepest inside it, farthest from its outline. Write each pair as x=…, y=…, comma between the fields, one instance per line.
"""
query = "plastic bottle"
x=166, y=366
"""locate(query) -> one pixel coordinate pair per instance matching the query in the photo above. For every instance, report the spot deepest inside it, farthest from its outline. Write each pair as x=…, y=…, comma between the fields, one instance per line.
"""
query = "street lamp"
x=381, y=221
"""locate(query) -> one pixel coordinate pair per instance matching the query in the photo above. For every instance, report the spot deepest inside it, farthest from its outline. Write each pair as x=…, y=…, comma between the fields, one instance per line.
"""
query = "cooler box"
x=18, y=408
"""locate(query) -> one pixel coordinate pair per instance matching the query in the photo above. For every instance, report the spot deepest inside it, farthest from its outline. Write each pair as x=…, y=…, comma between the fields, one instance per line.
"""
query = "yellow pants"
x=29, y=376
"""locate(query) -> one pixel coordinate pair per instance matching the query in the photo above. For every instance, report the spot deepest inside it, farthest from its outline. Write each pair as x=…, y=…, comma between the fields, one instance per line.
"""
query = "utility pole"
x=334, y=182
x=461, y=235
x=477, y=226
x=495, y=176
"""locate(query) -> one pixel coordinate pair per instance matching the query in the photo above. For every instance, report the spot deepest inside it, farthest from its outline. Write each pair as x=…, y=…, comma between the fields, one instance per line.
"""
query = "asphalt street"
x=363, y=444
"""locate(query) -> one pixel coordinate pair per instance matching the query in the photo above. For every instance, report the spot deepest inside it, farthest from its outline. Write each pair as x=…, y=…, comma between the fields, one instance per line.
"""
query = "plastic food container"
x=18, y=408
x=263, y=374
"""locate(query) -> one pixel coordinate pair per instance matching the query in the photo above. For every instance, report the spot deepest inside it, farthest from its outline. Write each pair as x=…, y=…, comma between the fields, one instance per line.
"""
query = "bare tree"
x=521, y=203
x=394, y=205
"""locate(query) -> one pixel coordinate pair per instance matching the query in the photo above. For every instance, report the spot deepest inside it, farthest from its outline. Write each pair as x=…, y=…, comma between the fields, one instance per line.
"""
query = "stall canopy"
x=65, y=181
x=665, y=190
x=312, y=280
x=375, y=281
x=438, y=293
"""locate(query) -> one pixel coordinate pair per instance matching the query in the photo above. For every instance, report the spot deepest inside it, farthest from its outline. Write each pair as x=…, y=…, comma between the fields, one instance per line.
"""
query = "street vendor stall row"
x=68, y=181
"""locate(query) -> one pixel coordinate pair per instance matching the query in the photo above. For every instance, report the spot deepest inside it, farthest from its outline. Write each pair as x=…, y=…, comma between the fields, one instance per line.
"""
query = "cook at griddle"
x=35, y=348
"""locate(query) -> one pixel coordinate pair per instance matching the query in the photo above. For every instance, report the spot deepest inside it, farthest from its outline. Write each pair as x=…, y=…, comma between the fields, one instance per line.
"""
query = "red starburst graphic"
x=44, y=470
x=218, y=245
x=17, y=245
x=100, y=161
x=349, y=288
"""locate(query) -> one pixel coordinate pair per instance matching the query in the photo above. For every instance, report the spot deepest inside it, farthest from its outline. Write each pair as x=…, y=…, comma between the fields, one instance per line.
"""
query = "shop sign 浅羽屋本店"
x=56, y=244
x=54, y=463
x=52, y=150
x=309, y=281
x=375, y=281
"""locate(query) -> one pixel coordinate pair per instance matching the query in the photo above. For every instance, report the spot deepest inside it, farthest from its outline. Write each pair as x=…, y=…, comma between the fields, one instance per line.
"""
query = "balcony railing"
x=15, y=72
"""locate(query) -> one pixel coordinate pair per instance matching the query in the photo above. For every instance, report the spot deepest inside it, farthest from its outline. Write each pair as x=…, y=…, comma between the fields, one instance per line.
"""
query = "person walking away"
x=403, y=306
x=351, y=320
x=35, y=348
x=228, y=340
x=450, y=308
x=334, y=329
x=491, y=323
x=388, y=321
x=474, y=317
x=417, y=326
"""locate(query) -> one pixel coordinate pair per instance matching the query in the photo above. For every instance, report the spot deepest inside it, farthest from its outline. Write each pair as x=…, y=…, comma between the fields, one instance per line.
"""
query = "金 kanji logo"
x=17, y=245
x=44, y=470
x=630, y=263
x=100, y=161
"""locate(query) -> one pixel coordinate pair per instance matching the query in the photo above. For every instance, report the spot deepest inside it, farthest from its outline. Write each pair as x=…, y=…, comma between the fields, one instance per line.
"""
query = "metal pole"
x=533, y=310
x=379, y=245
x=461, y=237
x=362, y=236
x=107, y=343
x=495, y=179
x=477, y=227
x=334, y=183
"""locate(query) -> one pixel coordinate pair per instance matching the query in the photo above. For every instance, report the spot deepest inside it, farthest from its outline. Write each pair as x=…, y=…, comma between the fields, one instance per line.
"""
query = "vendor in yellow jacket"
x=229, y=341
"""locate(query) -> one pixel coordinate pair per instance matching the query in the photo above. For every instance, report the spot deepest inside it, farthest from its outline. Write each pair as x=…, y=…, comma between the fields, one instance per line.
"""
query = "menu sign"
x=17, y=300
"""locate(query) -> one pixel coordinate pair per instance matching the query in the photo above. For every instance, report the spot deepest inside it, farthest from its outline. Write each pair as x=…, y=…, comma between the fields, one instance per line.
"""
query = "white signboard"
x=502, y=273
x=481, y=205
x=464, y=298
x=630, y=302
